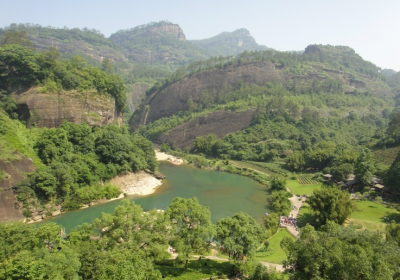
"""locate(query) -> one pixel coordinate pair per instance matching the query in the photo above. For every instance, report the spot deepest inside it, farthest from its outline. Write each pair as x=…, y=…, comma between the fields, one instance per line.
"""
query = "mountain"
x=327, y=93
x=229, y=43
x=88, y=43
x=156, y=43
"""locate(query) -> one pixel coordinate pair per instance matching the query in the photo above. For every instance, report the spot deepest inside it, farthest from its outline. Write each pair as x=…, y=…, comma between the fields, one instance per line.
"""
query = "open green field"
x=302, y=189
x=371, y=215
x=274, y=253
x=368, y=215
x=196, y=269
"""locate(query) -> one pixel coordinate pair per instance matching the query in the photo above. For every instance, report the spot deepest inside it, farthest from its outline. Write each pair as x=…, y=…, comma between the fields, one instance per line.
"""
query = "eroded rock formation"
x=51, y=109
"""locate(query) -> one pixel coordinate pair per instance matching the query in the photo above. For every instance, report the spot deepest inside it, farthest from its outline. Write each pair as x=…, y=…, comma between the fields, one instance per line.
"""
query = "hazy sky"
x=370, y=27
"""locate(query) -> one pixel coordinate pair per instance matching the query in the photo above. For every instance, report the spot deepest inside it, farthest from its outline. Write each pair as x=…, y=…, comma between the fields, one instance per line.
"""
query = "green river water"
x=225, y=194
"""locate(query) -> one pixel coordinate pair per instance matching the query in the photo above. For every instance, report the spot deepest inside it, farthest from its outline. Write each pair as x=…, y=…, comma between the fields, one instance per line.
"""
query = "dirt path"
x=297, y=202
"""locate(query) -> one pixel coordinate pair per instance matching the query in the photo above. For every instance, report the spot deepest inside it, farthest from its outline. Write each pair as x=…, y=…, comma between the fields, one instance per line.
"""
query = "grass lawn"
x=305, y=216
x=370, y=215
x=196, y=269
x=274, y=253
x=300, y=189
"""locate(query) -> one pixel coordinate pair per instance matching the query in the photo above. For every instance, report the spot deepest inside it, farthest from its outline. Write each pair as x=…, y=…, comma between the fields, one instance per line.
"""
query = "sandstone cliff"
x=14, y=171
x=135, y=95
x=51, y=109
x=218, y=123
x=174, y=97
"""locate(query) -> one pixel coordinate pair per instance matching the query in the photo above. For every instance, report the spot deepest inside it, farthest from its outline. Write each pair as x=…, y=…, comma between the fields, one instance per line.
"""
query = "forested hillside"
x=317, y=110
x=281, y=118
x=68, y=166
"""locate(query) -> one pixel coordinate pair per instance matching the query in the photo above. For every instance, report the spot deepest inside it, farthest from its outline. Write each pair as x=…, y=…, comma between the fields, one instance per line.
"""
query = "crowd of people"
x=289, y=221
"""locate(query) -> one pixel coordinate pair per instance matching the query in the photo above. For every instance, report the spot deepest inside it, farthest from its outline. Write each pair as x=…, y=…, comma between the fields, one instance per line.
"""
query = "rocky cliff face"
x=157, y=43
x=78, y=47
x=51, y=109
x=136, y=94
x=148, y=32
x=218, y=123
x=172, y=29
x=14, y=173
x=174, y=97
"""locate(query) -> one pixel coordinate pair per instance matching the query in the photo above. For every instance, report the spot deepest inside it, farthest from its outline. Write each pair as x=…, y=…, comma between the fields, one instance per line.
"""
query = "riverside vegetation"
x=329, y=111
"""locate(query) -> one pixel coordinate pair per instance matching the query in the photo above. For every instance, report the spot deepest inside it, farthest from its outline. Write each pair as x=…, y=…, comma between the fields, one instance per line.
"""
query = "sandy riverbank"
x=140, y=183
x=161, y=156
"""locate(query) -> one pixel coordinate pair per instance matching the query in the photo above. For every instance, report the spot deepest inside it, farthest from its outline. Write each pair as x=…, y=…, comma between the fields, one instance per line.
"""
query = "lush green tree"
x=296, y=161
x=393, y=232
x=342, y=171
x=194, y=230
x=240, y=235
x=271, y=222
x=278, y=184
x=18, y=67
x=280, y=203
x=331, y=204
x=392, y=176
x=52, y=144
x=338, y=252
x=393, y=129
x=15, y=37
x=130, y=227
x=365, y=167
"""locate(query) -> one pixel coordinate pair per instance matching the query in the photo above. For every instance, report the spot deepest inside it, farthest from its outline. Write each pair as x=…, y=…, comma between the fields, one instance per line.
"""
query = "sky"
x=370, y=27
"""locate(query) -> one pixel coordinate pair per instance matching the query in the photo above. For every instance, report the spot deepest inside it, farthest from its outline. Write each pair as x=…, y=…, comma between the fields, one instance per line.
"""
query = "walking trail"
x=297, y=202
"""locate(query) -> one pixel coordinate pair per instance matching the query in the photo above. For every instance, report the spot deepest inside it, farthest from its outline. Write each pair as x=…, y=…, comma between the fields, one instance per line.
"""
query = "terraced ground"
x=386, y=156
x=305, y=186
x=270, y=168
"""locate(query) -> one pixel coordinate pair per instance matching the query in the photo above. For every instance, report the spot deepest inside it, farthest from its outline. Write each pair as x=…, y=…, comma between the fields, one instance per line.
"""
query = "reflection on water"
x=225, y=194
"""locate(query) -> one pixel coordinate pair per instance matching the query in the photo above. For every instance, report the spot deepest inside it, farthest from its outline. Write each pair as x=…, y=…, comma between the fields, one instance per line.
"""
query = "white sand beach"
x=161, y=156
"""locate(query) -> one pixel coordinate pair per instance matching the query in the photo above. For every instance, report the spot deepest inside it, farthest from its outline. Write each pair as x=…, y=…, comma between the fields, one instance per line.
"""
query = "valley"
x=254, y=137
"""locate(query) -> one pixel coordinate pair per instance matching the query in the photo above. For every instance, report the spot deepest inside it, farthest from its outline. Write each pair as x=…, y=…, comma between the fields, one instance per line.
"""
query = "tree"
x=342, y=172
x=337, y=252
x=135, y=230
x=296, y=161
x=194, y=231
x=393, y=130
x=393, y=232
x=392, y=176
x=331, y=204
x=364, y=167
x=240, y=235
x=18, y=67
x=107, y=66
x=278, y=184
x=17, y=38
x=280, y=203
x=271, y=223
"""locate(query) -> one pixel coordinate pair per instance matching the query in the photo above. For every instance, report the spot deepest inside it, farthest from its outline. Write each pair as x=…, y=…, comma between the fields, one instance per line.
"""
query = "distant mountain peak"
x=154, y=29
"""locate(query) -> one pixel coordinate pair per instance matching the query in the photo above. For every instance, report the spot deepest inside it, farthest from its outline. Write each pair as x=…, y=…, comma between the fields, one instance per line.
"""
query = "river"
x=225, y=194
